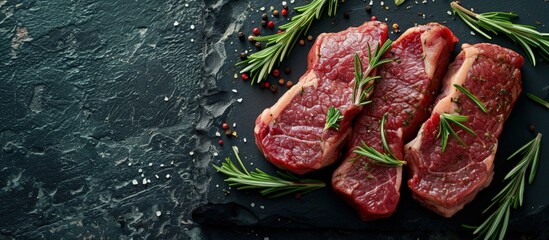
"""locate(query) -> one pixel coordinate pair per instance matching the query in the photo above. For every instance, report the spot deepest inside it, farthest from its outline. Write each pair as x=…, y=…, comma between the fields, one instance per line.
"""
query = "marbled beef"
x=406, y=92
x=291, y=133
x=445, y=181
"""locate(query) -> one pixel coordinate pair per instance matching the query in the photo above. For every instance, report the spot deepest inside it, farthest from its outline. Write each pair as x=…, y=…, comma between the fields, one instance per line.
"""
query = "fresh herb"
x=333, y=116
x=446, y=129
x=526, y=36
x=279, y=45
x=382, y=159
x=363, y=78
x=398, y=2
x=273, y=186
x=472, y=97
x=512, y=195
x=538, y=100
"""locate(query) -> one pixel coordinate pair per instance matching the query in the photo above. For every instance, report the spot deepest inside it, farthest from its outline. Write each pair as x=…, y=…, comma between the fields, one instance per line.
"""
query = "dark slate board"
x=321, y=213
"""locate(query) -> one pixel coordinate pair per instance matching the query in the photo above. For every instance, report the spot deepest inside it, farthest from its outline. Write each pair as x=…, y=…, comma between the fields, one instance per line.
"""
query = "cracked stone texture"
x=111, y=109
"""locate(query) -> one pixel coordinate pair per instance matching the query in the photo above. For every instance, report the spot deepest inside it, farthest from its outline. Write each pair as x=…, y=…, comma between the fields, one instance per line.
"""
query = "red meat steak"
x=445, y=181
x=406, y=92
x=291, y=133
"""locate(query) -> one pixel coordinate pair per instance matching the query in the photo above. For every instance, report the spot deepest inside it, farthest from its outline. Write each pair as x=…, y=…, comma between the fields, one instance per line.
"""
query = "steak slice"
x=291, y=133
x=406, y=92
x=445, y=181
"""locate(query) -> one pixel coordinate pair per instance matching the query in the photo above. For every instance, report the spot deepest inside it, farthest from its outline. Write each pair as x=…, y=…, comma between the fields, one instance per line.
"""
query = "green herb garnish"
x=279, y=45
x=538, y=100
x=333, y=116
x=398, y=2
x=446, y=129
x=273, y=186
x=526, y=36
x=495, y=226
x=383, y=159
x=472, y=97
x=363, y=78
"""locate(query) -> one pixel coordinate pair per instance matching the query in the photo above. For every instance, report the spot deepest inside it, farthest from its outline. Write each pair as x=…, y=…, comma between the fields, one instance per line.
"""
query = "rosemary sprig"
x=273, y=186
x=382, y=159
x=363, y=78
x=333, y=116
x=260, y=63
x=512, y=195
x=526, y=36
x=472, y=97
x=538, y=100
x=446, y=129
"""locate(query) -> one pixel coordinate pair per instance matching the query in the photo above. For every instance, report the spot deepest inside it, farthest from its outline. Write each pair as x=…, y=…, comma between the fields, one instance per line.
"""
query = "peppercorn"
x=264, y=16
x=301, y=42
x=531, y=128
x=256, y=31
x=276, y=72
x=262, y=84
x=241, y=35
x=279, y=31
x=369, y=9
x=289, y=84
x=373, y=18
x=251, y=38
x=263, y=23
x=395, y=27
x=244, y=76
x=310, y=38
x=220, y=142
x=267, y=85
x=346, y=15
x=258, y=45
x=284, y=12
x=273, y=88
x=275, y=13
x=281, y=82
x=271, y=24
x=287, y=70
x=243, y=56
x=225, y=126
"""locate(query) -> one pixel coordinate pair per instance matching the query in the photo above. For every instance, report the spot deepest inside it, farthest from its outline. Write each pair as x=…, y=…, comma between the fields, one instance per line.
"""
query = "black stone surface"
x=100, y=96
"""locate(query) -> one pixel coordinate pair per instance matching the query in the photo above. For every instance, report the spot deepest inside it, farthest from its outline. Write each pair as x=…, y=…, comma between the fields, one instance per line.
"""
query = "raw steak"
x=406, y=92
x=445, y=181
x=291, y=133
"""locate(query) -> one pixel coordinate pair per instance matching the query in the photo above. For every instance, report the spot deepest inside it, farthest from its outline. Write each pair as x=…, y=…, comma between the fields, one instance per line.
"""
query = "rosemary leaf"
x=511, y=196
x=538, y=100
x=445, y=129
x=500, y=22
x=398, y=2
x=363, y=86
x=472, y=97
x=279, y=45
x=333, y=116
x=272, y=186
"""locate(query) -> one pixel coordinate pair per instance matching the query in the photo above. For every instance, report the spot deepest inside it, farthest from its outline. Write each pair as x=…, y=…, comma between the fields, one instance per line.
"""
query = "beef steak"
x=406, y=91
x=291, y=133
x=445, y=181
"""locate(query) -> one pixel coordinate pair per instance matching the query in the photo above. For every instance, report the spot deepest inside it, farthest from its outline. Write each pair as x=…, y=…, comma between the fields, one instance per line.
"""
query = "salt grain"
x=215, y=154
x=148, y=180
x=150, y=164
x=234, y=125
x=262, y=207
x=192, y=39
x=168, y=176
x=144, y=181
x=191, y=153
x=252, y=204
x=234, y=90
x=156, y=176
x=134, y=182
x=186, y=5
x=217, y=134
x=245, y=140
x=176, y=23
x=140, y=170
x=166, y=99
x=473, y=33
x=449, y=12
x=129, y=164
x=158, y=213
x=192, y=26
x=162, y=165
x=239, y=100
